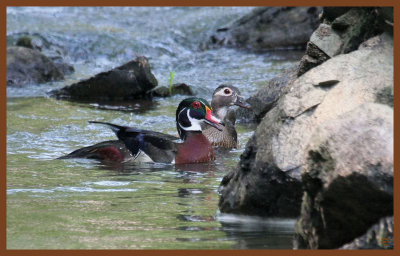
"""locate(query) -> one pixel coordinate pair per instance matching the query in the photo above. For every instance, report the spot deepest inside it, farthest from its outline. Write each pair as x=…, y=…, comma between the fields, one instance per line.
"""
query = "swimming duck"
x=225, y=96
x=142, y=144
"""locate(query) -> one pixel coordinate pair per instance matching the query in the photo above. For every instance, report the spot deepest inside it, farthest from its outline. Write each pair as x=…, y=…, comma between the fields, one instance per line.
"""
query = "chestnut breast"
x=195, y=149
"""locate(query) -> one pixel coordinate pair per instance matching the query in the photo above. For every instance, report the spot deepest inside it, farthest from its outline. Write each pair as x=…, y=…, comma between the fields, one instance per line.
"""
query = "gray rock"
x=266, y=98
x=269, y=28
x=26, y=66
x=313, y=58
x=277, y=153
x=348, y=178
x=327, y=40
x=132, y=80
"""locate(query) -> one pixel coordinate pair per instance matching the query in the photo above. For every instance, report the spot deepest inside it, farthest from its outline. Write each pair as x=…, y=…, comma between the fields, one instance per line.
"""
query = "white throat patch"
x=195, y=124
x=221, y=113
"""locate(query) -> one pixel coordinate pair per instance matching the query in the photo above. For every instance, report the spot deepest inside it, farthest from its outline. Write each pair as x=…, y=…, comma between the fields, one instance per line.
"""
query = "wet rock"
x=132, y=80
x=164, y=91
x=269, y=28
x=379, y=236
x=26, y=66
x=277, y=152
x=38, y=42
x=348, y=178
x=266, y=98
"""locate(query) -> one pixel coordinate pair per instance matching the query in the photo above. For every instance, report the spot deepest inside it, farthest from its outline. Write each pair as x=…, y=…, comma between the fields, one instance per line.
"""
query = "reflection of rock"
x=26, y=66
x=379, y=236
x=268, y=178
x=251, y=232
x=163, y=91
x=130, y=81
x=269, y=28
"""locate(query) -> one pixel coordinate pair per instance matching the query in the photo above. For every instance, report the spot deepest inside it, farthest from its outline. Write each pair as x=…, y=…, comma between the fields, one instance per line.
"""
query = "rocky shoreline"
x=323, y=149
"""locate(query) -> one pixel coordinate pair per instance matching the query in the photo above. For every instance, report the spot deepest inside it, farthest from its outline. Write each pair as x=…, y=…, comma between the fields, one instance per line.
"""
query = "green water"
x=82, y=204
x=77, y=204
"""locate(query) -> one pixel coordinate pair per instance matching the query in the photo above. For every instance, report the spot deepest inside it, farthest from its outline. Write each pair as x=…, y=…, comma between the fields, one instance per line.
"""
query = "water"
x=79, y=204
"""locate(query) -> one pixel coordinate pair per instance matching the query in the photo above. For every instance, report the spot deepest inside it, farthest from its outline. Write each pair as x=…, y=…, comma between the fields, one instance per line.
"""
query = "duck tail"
x=115, y=128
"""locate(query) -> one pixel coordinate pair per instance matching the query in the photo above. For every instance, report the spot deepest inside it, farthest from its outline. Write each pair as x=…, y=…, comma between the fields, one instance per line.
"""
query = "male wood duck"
x=142, y=144
x=224, y=97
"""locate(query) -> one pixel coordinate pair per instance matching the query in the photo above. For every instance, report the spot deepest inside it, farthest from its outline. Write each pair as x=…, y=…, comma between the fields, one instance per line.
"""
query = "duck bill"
x=242, y=103
x=212, y=120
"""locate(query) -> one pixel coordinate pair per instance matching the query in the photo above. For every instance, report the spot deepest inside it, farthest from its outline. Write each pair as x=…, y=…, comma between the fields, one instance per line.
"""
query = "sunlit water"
x=74, y=204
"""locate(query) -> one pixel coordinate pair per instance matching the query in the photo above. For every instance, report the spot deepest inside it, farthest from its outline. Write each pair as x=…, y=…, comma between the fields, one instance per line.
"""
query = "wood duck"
x=224, y=97
x=139, y=144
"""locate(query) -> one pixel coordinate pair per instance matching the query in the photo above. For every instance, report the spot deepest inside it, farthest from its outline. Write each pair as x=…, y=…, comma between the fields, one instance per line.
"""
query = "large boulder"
x=29, y=66
x=132, y=80
x=348, y=178
x=268, y=179
x=269, y=28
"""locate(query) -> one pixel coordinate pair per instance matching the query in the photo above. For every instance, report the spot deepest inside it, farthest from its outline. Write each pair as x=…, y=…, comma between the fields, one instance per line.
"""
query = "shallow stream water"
x=83, y=204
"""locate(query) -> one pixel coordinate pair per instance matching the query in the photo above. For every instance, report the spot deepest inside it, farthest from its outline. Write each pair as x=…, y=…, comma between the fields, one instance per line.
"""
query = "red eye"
x=196, y=104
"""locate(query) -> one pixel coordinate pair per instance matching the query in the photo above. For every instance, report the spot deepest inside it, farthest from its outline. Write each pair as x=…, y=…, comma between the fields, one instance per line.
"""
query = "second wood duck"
x=158, y=147
x=223, y=98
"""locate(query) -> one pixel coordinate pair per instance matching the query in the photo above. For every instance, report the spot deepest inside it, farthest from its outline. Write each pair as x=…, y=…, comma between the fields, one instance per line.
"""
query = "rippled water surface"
x=73, y=204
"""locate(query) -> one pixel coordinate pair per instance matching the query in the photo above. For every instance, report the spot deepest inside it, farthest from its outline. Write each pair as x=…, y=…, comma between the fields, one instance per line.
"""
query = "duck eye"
x=227, y=91
x=196, y=104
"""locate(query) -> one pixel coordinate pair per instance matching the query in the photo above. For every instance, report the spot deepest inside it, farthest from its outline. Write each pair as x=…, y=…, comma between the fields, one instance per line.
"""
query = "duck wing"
x=160, y=147
x=114, y=150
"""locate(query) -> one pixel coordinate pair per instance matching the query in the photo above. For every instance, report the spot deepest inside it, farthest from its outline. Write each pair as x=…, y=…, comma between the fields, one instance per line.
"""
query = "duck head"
x=225, y=96
x=191, y=113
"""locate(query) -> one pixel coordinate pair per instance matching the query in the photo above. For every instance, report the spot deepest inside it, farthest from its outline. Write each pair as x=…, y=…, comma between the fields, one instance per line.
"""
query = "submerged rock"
x=268, y=179
x=268, y=28
x=132, y=80
x=25, y=66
